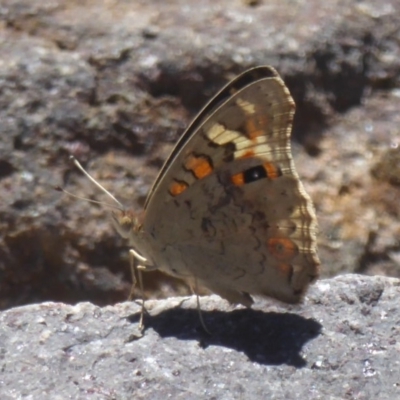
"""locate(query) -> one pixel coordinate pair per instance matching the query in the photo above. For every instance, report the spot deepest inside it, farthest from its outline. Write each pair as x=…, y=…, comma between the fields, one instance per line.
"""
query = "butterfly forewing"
x=246, y=78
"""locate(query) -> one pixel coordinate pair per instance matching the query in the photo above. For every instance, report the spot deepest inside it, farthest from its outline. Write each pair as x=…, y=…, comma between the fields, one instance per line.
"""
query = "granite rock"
x=341, y=343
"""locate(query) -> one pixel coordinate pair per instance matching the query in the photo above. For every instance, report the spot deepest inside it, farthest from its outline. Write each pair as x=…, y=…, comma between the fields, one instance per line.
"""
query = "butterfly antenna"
x=102, y=188
x=61, y=189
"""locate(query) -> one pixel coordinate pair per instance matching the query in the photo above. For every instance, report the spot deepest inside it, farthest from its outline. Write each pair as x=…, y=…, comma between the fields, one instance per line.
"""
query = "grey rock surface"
x=341, y=343
x=115, y=82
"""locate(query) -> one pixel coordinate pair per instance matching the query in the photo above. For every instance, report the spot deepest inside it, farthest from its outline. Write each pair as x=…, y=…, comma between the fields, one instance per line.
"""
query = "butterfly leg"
x=203, y=324
x=143, y=266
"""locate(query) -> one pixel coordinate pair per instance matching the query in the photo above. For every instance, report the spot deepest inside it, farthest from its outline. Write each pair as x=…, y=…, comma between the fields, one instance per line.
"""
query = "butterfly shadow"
x=265, y=337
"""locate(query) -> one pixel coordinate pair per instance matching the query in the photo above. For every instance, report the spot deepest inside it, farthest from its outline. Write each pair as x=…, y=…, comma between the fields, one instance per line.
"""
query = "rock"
x=115, y=83
x=341, y=343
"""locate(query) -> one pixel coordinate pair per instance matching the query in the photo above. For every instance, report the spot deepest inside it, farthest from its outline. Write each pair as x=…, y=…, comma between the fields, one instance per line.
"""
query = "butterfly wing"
x=228, y=209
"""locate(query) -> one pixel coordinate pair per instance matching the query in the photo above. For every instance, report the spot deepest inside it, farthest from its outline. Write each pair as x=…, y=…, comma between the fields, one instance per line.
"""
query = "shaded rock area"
x=115, y=83
x=342, y=343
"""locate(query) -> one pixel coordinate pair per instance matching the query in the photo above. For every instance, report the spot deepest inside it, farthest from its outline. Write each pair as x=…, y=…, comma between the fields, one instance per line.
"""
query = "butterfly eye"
x=124, y=222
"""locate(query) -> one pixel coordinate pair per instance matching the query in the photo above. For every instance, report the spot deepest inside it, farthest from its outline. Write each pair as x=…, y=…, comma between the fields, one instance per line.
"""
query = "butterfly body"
x=228, y=210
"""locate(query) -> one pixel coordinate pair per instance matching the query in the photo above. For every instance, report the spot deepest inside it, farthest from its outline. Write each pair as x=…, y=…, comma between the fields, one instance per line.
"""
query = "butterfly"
x=227, y=210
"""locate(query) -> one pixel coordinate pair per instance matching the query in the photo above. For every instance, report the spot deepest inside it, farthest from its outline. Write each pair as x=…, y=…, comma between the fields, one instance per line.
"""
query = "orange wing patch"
x=255, y=122
x=199, y=165
x=238, y=179
x=247, y=154
x=273, y=172
x=285, y=269
x=255, y=126
x=177, y=187
x=282, y=249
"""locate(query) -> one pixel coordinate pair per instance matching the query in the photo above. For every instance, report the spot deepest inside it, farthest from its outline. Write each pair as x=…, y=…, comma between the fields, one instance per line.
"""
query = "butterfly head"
x=129, y=225
x=126, y=222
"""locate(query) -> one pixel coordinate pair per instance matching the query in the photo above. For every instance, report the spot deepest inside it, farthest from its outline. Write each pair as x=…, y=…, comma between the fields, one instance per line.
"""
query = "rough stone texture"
x=115, y=82
x=342, y=343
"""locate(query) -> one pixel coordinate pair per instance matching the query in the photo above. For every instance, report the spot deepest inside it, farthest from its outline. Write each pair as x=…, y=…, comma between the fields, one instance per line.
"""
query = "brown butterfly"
x=227, y=210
